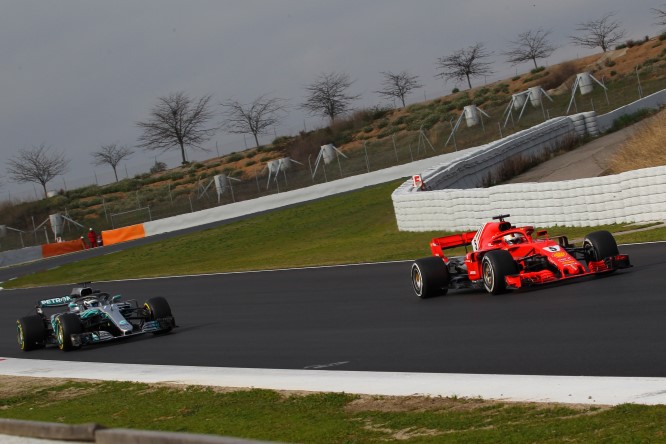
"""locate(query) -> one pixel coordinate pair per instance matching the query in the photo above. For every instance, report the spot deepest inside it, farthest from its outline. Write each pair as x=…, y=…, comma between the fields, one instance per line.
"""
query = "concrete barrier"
x=99, y=434
x=49, y=430
x=656, y=100
x=128, y=436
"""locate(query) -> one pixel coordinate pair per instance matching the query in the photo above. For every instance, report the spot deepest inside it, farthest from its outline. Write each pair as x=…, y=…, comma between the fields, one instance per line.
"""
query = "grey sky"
x=78, y=74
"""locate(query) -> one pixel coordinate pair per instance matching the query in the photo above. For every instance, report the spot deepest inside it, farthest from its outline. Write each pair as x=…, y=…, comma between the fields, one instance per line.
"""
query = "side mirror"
x=116, y=298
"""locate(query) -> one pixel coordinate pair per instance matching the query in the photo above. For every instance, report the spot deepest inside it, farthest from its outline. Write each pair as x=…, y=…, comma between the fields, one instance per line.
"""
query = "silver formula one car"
x=89, y=316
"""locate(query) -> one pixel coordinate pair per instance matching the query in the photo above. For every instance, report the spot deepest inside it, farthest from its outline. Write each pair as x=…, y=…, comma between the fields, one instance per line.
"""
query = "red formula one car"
x=506, y=257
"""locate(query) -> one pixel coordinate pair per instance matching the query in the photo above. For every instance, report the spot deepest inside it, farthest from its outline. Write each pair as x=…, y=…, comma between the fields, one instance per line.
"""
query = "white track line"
x=560, y=389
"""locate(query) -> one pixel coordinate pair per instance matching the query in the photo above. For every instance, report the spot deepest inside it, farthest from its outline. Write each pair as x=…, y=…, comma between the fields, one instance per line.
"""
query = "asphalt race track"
x=366, y=318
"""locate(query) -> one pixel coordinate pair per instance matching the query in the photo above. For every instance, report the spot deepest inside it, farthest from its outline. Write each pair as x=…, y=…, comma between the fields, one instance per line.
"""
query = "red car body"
x=505, y=257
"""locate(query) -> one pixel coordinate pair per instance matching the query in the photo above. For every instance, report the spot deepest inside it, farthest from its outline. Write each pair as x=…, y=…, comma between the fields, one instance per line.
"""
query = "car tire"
x=599, y=245
x=495, y=266
x=68, y=324
x=31, y=332
x=157, y=308
x=430, y=277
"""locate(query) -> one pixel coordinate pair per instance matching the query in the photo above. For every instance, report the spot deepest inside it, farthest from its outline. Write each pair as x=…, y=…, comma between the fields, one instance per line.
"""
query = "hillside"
x=371, y=139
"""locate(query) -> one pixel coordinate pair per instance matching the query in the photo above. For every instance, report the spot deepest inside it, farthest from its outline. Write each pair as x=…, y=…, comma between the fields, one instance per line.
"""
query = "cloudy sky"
x=78, y=74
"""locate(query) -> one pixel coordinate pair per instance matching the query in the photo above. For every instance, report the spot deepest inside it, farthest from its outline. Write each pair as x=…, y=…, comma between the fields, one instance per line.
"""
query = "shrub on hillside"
x=158, y=167
x=558, y=75
x=234, y=157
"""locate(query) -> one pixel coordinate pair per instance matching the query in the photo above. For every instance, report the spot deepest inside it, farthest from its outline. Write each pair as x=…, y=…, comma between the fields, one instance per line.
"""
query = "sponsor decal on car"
x=55, y=301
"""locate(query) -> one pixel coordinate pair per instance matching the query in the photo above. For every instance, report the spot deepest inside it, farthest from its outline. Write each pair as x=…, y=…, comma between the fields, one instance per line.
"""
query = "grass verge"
x=324, y=417
x=351, y=228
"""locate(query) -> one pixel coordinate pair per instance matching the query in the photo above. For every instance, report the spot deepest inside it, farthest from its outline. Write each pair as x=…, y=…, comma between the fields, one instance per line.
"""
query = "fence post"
x=310, y=166
x=106, y=216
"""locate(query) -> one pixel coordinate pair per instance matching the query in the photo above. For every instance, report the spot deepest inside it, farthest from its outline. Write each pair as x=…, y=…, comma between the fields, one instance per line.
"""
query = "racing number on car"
x=552, y=248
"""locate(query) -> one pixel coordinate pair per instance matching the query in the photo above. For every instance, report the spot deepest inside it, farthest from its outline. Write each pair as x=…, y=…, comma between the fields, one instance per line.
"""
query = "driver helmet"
x=514, y=238
x=90, y=303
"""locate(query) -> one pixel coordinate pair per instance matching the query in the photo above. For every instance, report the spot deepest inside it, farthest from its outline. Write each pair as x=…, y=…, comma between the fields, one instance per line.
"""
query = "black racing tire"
x=157, y=308
x=599, y=245
x=31, y=332
x=495, y=266
x=67, y=325
x=430, y=277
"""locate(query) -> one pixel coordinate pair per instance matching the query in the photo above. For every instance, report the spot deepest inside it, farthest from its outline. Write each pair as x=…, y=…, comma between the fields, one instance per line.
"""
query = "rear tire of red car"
x=68, y=324
x=599, y=245
x=430, y=277
x=495, y=266
x=31, y=333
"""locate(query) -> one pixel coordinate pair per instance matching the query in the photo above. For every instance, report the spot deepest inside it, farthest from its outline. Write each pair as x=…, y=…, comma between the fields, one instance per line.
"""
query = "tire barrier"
x=635, y=196
x=579, y=125
x=591, y=127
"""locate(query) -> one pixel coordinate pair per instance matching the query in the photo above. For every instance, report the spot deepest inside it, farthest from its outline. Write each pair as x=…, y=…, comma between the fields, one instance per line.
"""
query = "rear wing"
x=438, y=244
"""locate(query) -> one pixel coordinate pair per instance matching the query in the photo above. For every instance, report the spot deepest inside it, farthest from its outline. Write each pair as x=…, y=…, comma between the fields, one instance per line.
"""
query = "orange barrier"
x=110, y=237
x=59, y=248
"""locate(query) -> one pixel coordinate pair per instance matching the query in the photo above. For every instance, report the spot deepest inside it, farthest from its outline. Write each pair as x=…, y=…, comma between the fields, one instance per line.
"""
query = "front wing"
x=528, y=279
x=93, y=337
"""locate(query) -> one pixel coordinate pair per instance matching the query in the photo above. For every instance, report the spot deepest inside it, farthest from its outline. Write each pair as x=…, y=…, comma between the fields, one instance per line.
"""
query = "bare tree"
x=465, y=64
x=254, y=118
x=661, y=16
x=530, y=45
x=37, y=165
x=111, y=154
x=178, y=121
x=398, y=85
x=327, y=96
x=602, y=33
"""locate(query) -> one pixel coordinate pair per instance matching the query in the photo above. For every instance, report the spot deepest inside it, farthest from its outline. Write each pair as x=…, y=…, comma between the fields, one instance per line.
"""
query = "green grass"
x=329, y=417
x=351, y=228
